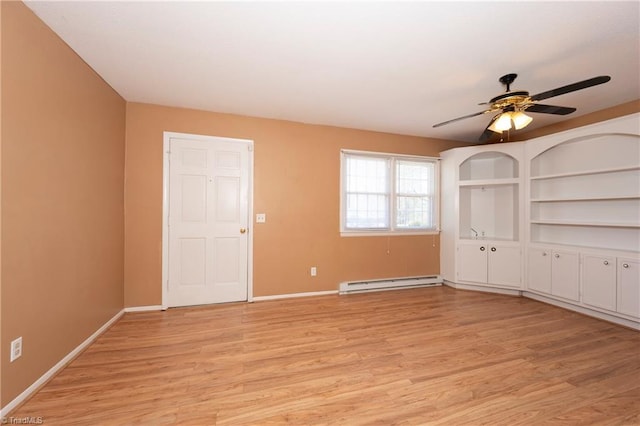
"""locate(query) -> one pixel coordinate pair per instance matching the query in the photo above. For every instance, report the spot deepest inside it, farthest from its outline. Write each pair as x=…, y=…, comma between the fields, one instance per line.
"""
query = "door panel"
x=208, y=219
x=539, y=270
x=599, y=281
x=472, y=259
x=194, y=198
x=504, y=265
x=629, y=287
x=192, y=262
x=228, y=199
x=564, y=274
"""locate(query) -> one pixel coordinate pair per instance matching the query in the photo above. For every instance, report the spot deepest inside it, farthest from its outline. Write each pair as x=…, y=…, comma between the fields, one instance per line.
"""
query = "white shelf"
x=487, y=240
x=489, y=182
x=589, y=224
x=603, y=198
x=586, y=172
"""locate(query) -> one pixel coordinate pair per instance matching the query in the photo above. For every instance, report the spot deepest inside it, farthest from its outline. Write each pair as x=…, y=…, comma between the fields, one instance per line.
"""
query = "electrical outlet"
x=16, y=349
x=314, y=271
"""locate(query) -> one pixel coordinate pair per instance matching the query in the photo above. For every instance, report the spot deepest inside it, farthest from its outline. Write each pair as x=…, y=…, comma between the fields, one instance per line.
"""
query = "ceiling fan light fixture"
x=502, y=123
x=520, y=120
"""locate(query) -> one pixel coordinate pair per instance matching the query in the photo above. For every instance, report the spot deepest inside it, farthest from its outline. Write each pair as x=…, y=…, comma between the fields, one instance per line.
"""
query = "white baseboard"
x=291, y=295
x=497, y=290
x=59, y=366
x=143, y=308
x=582, y=310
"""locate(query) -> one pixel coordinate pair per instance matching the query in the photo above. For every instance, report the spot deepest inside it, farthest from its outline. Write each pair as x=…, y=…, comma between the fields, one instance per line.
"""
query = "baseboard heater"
x=388, y=284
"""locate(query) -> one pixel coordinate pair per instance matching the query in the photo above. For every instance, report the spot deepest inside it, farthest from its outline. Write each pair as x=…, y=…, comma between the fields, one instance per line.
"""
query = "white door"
x=472, y=261
x=629, y=287
x=208, y=220
x=599, y=281
x=564, y=274
x=504, y=265
x=539, y=270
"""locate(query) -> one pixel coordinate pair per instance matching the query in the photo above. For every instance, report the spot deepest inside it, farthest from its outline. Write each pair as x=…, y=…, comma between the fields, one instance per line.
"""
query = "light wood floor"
x=424, y=356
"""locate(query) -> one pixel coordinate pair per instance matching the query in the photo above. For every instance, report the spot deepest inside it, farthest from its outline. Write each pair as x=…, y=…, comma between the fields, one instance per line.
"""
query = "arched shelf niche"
x=489, y=196
x=585, y=192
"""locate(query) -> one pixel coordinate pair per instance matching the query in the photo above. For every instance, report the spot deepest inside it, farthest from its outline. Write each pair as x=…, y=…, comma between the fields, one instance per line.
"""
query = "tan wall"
x=2, y=347
x=296, y=183
x=62, y=200
x=571, y=123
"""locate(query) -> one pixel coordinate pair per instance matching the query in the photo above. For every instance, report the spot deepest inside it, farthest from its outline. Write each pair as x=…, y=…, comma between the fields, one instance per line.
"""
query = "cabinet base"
x=487, y=289
x=582, y=310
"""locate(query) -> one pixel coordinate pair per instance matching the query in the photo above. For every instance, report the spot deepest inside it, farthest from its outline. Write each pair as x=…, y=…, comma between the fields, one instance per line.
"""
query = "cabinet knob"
x=557, y=256
x=606, y=262
x=493, y=249
x=482, y=248
x=544, y=253
x=625, y=265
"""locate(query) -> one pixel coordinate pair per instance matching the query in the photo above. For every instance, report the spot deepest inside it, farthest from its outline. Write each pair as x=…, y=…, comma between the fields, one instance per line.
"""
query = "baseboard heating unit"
x=389, y=284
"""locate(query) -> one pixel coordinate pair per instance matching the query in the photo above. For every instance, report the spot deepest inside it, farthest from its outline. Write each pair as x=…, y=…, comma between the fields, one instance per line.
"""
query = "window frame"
x=392, y=202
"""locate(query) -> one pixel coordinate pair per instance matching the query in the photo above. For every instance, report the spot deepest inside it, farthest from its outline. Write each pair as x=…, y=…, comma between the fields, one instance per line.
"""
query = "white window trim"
x=389, y=232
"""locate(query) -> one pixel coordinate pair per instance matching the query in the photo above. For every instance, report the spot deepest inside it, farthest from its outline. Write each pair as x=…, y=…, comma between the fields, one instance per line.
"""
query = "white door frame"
x=165, y=208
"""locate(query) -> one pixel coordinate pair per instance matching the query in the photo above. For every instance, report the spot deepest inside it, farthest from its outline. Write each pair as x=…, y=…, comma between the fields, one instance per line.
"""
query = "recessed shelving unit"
x=488, y=188
x=556, y=218
x=585, y=192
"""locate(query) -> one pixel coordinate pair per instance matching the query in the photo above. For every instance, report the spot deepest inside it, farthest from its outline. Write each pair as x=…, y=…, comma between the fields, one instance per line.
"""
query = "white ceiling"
x=393, y=66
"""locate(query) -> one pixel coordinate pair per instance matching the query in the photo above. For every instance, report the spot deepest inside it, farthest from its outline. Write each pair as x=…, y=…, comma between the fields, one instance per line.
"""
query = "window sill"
x=387, y=233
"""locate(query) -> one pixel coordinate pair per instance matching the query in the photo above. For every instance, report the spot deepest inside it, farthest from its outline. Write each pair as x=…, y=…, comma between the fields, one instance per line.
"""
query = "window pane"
x=366, y=174
x=367, y=192
x=414, y=212
x=367, y=211
x=414, y=177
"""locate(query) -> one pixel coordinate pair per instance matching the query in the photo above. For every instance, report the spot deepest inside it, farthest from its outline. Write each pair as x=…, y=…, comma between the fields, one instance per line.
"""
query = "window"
x=387, y=193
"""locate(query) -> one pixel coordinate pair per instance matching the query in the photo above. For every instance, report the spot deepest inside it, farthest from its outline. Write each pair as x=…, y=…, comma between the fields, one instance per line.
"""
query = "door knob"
x=243, y=230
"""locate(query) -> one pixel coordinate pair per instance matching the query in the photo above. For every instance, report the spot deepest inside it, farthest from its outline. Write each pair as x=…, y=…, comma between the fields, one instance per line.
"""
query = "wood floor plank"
x=432, y=356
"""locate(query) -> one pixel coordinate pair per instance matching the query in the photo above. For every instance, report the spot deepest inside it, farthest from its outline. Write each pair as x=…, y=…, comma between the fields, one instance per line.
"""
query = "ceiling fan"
x=510, y=106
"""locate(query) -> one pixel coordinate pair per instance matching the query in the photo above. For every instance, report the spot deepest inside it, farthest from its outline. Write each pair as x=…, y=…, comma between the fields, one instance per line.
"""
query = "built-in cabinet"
x=554, y=272
x=481, y=218
x=628, y=287
x=556, y=218
x=489, y=263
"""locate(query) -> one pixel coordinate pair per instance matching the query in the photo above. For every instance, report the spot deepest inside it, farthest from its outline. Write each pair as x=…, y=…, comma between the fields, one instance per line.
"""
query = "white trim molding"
x=59, y=366
x=143, y=308
x=292, y=295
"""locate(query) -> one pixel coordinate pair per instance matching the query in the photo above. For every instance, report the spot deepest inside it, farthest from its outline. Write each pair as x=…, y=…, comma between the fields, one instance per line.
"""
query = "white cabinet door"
x=599, y=281
x=504, y=265
x=629, y=286
x=564, y=274
x=539, y=270
x=472, y=261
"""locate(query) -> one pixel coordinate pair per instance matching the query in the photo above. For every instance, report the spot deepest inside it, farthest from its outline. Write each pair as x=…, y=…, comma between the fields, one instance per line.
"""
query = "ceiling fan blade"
x=550, y=109
x=571, y=87
x=460, y=118
x=486, y=135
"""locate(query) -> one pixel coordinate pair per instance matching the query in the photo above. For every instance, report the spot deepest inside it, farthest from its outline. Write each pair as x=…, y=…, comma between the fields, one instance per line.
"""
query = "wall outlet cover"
x=16, y=349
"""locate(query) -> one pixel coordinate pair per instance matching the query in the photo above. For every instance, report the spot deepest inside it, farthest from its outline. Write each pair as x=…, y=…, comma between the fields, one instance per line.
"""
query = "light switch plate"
x=261, y=218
